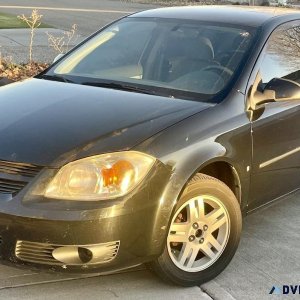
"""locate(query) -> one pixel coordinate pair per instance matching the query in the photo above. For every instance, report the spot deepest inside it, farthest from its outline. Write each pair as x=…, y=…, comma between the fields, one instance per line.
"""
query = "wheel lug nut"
x=201, y=241
x=195, y=226
x=205, y=227
x=191, y=238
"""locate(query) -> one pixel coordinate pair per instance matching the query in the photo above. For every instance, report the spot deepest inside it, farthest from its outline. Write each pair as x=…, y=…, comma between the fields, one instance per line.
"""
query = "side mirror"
x=284, y=89
x=278, y=89
x=59, y=56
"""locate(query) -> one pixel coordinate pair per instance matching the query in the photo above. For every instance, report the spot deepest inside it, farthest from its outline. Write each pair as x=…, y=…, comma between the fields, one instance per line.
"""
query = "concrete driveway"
x=268, y=256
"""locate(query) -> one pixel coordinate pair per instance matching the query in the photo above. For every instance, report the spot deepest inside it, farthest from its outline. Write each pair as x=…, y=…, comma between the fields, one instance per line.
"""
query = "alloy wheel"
x=198, y=233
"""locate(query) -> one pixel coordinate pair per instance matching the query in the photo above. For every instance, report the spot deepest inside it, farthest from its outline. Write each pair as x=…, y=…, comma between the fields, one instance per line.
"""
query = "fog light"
x=68, y=255
x=85, y=254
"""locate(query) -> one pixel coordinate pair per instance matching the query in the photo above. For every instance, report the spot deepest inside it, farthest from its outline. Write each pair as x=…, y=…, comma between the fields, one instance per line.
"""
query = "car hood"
x=49, y=123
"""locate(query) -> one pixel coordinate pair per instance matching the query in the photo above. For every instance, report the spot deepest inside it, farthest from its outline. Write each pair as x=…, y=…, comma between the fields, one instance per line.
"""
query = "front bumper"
x=129, y=231
x=67, y=235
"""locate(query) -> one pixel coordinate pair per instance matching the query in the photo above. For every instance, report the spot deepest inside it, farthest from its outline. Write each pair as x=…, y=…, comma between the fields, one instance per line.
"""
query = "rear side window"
x=282, y=55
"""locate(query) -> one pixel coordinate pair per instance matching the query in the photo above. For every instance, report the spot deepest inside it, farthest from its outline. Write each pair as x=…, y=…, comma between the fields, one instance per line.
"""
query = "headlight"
x=100, y=177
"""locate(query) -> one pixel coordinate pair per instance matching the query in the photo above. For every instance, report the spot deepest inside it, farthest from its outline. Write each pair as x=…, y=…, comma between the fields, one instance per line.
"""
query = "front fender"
x=185, y=149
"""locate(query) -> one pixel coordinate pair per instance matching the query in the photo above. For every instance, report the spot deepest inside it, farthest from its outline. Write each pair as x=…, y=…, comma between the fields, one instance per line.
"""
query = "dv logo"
x=275, y=290
x=285, y=290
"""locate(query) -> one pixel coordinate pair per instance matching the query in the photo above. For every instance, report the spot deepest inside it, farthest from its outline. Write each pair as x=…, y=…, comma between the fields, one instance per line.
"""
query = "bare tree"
x=285, y=48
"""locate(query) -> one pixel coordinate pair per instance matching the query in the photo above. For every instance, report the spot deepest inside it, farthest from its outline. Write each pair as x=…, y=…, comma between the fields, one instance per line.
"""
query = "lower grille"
x=35, y=252
x=60, y=255
x=11, y=186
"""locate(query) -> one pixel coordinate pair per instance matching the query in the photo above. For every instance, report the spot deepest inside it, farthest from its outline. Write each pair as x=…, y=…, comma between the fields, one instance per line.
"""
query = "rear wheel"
x=204, y=233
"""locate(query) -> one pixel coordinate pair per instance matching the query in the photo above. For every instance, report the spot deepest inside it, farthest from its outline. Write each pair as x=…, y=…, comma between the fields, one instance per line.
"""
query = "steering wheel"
x=220, y=70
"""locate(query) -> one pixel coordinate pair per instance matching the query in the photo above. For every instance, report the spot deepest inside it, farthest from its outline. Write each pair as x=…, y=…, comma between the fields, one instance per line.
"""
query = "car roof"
x=243, y=15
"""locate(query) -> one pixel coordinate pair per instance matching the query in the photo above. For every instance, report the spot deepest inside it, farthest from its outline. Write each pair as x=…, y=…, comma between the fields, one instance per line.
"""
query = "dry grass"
x=15, y=72
x=61, y=44
x=33, y=22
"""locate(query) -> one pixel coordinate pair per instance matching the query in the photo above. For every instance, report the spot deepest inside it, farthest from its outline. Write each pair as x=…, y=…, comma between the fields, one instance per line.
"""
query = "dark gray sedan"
x=147, y=142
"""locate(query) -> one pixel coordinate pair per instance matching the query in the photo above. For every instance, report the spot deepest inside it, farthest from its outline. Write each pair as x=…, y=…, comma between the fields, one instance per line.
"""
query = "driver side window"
x=282, y=54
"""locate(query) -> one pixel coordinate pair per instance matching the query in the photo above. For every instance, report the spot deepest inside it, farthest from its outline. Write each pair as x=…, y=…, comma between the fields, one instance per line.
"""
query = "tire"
x=188, y=261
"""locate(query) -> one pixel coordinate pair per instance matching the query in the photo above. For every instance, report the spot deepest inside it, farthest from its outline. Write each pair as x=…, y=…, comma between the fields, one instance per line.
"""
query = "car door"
x=276, y=131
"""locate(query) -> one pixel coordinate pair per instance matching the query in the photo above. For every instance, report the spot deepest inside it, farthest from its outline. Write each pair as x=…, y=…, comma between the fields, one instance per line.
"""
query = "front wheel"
x=204, y=233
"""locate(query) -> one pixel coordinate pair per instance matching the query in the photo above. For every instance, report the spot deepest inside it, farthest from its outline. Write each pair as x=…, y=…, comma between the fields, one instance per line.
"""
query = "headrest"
x=190, y=48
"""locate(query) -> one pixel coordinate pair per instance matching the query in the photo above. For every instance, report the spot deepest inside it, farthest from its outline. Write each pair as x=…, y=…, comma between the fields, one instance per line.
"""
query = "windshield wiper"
x=55, y=78
x=120, y=86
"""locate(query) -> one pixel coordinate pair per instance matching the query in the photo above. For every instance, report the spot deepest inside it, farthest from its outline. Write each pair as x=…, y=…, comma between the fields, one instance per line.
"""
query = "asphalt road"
x=89, y=15
x=268, y=255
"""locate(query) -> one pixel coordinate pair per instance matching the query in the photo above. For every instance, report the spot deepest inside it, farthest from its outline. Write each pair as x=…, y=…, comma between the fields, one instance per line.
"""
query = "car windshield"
x=169, y=57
